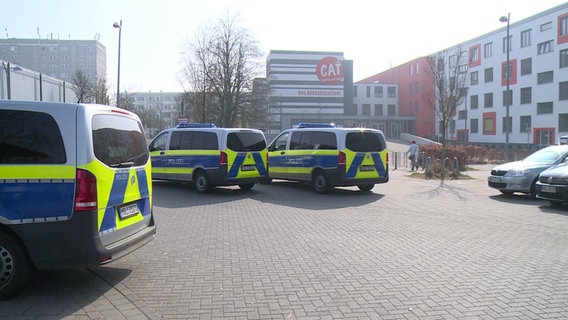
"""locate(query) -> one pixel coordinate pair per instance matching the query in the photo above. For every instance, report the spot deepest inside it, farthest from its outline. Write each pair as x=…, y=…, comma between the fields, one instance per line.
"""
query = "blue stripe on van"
x=33, y=200
x=259, y=163
x=234, y=170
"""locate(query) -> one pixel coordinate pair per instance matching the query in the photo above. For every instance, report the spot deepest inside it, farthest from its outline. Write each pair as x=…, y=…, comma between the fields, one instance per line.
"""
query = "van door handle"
x=282, y=152
x=162, y=153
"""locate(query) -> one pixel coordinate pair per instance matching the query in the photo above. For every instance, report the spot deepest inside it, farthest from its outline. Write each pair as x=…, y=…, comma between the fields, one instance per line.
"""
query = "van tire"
x=246, y=186
x=366, y=187
x=15, y=267
x=201, y=182
x=320, y=182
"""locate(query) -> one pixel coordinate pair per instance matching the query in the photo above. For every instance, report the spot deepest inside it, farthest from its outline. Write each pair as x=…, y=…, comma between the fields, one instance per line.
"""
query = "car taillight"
x=342, y=159
x=85, y=191
x=223, y=159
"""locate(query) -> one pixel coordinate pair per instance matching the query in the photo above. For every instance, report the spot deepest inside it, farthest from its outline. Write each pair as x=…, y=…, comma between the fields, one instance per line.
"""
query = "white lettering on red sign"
x=330, y=70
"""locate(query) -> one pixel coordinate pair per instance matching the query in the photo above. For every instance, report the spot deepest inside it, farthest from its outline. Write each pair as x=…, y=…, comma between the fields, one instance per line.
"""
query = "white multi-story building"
x=538, y=83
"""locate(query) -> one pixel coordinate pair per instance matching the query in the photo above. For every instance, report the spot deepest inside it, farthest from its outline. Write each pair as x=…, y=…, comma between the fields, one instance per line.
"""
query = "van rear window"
x=365, y=141
x=246, y=141
x=29, y=137
x=119, y=141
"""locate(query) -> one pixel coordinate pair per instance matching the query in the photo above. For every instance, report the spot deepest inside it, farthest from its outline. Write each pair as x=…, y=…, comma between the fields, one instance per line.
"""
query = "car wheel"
x=246, y=186
x=320, y=182
x=533, y=190
x=366, y=187
x=201, y=182
x=15, y=268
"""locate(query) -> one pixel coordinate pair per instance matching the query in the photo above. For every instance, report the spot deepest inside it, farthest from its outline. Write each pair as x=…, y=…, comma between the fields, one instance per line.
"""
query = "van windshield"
x=365, y=141
x=246, y=141
x=119, y=141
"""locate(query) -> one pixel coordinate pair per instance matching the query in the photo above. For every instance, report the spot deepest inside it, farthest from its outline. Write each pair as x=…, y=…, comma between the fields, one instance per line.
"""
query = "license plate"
x=367, y=168
x=548, y=189
x=248, y=167
x=128, y=211
x=494, y=179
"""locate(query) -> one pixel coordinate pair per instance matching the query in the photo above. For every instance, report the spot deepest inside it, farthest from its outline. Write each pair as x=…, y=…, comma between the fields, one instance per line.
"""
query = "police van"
x=75, y=188
x=207, y=156
x=328, y=156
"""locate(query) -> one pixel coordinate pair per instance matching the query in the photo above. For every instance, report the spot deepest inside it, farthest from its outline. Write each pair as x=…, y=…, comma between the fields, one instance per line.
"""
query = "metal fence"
x=19, y=83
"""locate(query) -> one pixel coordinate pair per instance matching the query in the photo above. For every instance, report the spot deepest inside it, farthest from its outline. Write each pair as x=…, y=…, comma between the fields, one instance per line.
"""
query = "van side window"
x=365, y=142
x=325, y=141
x=301, y=140
x=181, y=140
x=204, y=141
x=28, y=137
x=279, y=143
x=159, y=143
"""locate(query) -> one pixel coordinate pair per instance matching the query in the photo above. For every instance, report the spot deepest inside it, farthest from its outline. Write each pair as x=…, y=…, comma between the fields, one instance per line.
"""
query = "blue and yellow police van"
x=208, y=156
x=75, y=188
x=328, y=156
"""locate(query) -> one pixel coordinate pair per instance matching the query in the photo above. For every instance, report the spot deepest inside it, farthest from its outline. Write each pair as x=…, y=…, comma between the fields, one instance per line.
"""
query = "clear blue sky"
x=373, y=33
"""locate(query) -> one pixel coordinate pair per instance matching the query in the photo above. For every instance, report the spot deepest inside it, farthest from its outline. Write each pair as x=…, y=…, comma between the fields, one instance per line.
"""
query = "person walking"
x=412, y=153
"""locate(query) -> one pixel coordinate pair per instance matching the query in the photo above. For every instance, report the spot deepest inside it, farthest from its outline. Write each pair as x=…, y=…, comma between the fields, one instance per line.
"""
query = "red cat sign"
x=330, y=70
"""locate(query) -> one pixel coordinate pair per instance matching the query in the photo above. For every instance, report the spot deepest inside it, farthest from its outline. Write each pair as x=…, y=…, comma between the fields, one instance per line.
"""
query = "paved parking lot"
x=410, y=249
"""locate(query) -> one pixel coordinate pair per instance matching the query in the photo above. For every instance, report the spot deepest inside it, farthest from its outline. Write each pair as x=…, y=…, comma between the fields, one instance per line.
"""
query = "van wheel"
x=320, y=182
x=15, y=268
x=246, y=186
x=366, y=187
x=201, y=182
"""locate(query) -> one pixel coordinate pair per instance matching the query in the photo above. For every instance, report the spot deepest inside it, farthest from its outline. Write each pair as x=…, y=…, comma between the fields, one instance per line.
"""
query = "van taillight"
x=85, y=191
x=342, y=159
x=223, y=159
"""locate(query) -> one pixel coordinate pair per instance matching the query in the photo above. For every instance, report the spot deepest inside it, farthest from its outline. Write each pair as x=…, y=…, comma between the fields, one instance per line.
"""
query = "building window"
x=474, y=78
x=488, y=75
x=410, y=89
x=391, y=109
x=489, y=123
x=378, y=92
x=544, y=47
x=525, y=38
x=563, y=26
x=563, y=122
x=507, y=97
x=488, y=100
x=525, y=124
x=474, y=125
x=564, y=58
x=507, y=44
x=475, y=56
x=416, y=87
x=563, y=90
x=507, y=71
x=366, y=109
x=368, y=91
x=544, y=107
x=488, y=50
x=526, y=66
x=474, y=102
x=355, y=91
x=379, y=110
x=545, y=77
x=546, y=26
x=462, y=114
x=507, y=125
x=526, y=95
x=391, y=92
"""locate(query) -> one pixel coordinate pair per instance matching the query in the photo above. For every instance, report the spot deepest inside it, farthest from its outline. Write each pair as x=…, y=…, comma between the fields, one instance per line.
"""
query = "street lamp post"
x=507, y=79
x=119, y=26
x=8, y=84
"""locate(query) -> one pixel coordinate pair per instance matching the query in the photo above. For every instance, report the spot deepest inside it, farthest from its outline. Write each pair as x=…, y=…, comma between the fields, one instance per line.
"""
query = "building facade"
x=310, y=86
x=537, y=77
x=57, y=58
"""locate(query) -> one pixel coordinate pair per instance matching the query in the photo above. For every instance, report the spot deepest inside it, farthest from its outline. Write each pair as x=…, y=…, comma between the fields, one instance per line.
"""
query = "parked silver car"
x=521, y=176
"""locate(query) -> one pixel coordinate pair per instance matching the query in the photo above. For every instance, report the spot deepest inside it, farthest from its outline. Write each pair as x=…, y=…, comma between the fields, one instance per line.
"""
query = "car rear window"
x=119, y=141
x=365, y=141
x=246, y=141
x=29, y=137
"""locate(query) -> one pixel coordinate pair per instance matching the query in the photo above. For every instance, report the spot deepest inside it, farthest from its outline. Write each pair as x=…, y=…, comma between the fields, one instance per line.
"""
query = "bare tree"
x=83, y=87
x=221, y=63
x=448, y=71
x=101, y=92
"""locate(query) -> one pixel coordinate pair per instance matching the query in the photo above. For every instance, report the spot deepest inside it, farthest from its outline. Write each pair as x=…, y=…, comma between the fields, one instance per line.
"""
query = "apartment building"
x=56, y=58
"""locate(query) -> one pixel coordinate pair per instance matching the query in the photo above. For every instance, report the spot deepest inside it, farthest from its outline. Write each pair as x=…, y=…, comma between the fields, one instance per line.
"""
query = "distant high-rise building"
x=57, y=58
